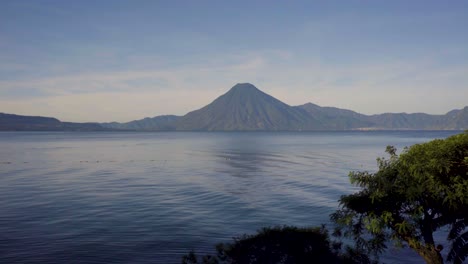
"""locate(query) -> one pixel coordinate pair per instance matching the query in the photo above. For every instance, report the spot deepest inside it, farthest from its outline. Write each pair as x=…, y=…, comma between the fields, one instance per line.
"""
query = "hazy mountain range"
x=246, y=108
x=10, y=122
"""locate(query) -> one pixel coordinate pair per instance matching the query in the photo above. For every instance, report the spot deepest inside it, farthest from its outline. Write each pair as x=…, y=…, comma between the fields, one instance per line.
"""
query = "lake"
x=79, y=197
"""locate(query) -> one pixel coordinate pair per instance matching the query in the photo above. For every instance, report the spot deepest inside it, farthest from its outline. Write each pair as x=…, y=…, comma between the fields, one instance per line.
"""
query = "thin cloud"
x=113, y=95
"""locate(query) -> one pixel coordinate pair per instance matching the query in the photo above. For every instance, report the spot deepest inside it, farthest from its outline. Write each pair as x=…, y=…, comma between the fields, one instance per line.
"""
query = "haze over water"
x=152, y=197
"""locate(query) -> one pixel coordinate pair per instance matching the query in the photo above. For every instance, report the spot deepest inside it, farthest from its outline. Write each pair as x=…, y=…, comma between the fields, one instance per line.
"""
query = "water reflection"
x=154, y=196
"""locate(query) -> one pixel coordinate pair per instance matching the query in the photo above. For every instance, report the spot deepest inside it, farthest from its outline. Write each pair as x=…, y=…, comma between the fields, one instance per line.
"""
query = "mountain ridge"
x=246, y=108
x=12, y=122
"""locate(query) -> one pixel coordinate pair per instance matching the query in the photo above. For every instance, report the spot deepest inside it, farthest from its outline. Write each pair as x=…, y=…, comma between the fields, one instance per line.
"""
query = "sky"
x=99, y=61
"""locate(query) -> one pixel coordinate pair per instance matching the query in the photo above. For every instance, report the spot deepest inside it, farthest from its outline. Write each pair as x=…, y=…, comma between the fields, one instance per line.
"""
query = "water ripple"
x=152, y=197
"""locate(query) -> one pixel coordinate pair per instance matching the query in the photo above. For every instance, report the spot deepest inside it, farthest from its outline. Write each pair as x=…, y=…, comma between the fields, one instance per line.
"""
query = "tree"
x=278, y=245
x=411, y=196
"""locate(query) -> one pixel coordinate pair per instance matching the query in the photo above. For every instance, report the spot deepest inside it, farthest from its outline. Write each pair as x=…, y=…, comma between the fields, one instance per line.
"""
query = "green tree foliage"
x=278, y=245
x=410, y=197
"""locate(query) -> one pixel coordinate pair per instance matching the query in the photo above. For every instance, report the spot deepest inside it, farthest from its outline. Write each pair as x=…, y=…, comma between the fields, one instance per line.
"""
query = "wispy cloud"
x=140, y=80
x=135, y=93
x=103, y=96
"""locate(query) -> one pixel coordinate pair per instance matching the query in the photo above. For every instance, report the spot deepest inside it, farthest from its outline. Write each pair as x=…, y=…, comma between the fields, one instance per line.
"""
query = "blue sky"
x=124, y=60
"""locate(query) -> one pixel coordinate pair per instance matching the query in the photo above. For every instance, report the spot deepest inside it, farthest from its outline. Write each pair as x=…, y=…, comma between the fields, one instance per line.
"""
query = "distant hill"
x=453, y=120
x=10, y=122
x=165, y=122
x=246, y=108
x=456, y=119
x=335, y=118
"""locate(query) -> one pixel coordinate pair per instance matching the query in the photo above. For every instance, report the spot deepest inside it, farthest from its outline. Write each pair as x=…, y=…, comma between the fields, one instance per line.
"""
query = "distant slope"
x=165, y=122
x=335, y=118
x=456, y=119
x=246, y=108
x=407, y=121
x=453, y=120
x=10, y=122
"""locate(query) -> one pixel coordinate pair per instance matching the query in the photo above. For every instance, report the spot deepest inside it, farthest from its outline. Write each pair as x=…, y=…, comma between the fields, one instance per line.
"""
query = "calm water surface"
x=152, y=197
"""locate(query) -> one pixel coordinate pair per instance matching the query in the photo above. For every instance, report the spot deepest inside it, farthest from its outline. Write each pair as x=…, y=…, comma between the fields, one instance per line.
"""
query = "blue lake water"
x=151, y=197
